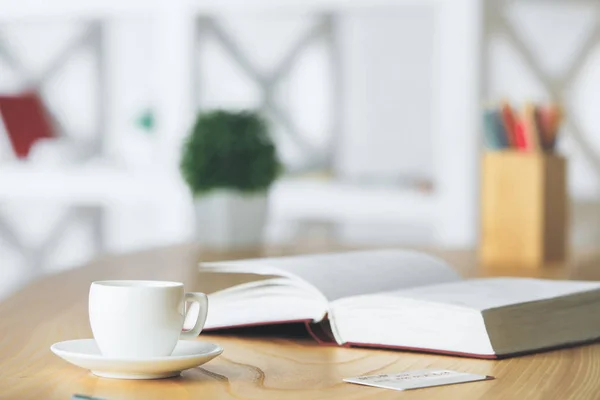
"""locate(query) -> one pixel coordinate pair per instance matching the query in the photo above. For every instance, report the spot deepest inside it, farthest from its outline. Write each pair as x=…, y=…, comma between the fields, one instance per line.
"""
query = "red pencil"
x=509, y=122
x=550, y=119
x=520, y=137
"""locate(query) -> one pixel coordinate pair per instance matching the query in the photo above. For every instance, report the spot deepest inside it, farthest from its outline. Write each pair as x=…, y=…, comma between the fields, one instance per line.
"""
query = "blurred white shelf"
x=340, y=202
x=83, y=185
x=290, y=198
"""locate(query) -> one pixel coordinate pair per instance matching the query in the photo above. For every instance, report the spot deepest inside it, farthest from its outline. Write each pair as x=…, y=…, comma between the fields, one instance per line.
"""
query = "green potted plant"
x=229, y=162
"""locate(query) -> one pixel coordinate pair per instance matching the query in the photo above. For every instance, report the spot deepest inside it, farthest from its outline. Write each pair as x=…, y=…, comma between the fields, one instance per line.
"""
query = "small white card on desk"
x=417, y=379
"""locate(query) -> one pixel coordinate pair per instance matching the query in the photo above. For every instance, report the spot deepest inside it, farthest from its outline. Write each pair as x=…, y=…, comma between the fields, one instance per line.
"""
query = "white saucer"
x=187, y=354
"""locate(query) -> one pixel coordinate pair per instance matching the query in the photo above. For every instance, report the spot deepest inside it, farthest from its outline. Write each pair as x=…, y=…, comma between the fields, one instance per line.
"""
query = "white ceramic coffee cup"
x=136, y=319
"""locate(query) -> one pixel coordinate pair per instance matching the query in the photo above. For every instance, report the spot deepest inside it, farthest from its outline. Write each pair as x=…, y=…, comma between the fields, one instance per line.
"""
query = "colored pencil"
x=556, y=117
x=520, y=139
x=509, y=122
x=494, y=134
x=531, y=127
x=534, y=129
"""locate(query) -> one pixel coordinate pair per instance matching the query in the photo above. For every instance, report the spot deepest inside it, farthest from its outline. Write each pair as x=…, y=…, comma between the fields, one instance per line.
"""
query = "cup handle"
x=202, y=301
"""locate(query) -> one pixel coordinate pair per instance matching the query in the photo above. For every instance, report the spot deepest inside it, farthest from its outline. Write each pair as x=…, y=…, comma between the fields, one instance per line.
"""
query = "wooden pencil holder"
x=524, y=209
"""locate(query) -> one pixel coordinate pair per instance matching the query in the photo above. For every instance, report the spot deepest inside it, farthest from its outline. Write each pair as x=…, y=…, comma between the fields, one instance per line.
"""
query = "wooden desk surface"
x=55, y=309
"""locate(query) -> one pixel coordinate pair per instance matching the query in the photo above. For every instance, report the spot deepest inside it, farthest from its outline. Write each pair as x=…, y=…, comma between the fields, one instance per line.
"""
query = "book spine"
x=321, y=332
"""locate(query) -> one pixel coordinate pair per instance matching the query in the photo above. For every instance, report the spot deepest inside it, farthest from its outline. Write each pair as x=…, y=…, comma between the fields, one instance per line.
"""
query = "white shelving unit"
x=452, y=208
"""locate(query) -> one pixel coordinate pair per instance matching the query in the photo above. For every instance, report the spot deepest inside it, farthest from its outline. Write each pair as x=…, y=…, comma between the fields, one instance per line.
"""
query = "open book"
x=405, y=300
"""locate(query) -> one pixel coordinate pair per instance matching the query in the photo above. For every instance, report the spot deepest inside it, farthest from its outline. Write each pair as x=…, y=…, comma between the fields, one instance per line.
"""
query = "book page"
x=488, y=293
x=349, y=274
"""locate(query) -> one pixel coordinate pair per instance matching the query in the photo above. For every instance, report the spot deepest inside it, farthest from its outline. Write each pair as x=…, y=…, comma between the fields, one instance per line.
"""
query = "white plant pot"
x=227, y=219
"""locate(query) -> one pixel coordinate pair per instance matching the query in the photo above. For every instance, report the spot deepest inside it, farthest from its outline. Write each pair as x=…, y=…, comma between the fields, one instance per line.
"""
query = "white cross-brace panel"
x=321, y=29
x=35, y=256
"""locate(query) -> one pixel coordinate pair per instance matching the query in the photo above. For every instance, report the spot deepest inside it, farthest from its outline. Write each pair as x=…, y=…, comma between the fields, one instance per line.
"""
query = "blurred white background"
x=374, y=106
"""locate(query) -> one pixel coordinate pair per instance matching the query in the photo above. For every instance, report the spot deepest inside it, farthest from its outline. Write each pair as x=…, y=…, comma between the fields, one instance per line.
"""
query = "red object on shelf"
x=26, y=121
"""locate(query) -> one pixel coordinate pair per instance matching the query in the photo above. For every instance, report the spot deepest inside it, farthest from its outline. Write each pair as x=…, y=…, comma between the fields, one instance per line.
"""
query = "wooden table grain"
x=263, y=367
